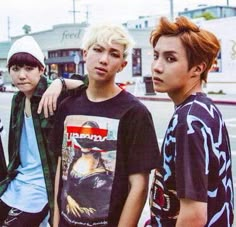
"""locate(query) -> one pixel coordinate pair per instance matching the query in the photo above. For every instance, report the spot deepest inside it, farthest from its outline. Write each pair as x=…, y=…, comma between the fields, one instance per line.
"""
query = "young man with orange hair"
x=197, y=186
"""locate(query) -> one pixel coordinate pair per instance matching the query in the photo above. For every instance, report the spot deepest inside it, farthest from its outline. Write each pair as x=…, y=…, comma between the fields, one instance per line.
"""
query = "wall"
x=70, y=36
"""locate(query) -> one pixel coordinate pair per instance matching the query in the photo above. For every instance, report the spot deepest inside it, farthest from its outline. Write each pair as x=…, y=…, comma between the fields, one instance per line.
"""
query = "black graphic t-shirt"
x=103, y=143
x=197, y=165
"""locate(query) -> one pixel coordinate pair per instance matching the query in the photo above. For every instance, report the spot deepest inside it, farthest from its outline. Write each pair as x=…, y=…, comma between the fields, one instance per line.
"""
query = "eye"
x=155, y=56
x=97, y=49
x=115, y=54
x=15, y=68
x=29, y=68
x=170, y=59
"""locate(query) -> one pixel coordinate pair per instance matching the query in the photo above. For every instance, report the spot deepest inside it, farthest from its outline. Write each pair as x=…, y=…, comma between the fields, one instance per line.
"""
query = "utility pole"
x=172, y=10
x=74, y=12
x=8, y=28
x=87, y=15
x=227, y=2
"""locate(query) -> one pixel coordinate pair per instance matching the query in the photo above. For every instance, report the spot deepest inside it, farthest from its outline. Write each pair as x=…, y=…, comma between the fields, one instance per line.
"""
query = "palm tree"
x=26, y=28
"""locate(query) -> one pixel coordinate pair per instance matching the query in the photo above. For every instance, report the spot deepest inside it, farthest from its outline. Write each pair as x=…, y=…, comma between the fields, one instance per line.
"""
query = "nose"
x=22, y=74
x=104, y=58
x=157, y=66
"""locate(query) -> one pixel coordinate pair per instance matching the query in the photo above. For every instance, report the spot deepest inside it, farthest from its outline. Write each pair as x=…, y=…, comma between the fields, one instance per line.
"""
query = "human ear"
x=199, y=69
x=124, y=63
x=41, y=70
x=85, y=54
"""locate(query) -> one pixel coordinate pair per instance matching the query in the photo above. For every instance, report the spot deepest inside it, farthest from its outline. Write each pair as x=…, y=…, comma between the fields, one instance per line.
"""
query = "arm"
x=192, y=213
x=135, y=201
x=48, y=101
x=56, y=215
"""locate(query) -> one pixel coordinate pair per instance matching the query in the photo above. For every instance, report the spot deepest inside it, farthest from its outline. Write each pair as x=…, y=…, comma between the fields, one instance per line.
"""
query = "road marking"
x=5, y=107
x=233, y=153
x=228, y=122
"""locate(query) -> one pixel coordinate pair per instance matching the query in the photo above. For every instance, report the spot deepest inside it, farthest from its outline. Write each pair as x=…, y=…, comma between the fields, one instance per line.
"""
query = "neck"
x=27, y=107
x=183, y=95
x=101, y=93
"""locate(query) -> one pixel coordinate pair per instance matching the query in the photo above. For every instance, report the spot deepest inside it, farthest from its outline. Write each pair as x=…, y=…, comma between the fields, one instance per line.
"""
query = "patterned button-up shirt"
x=2, y=157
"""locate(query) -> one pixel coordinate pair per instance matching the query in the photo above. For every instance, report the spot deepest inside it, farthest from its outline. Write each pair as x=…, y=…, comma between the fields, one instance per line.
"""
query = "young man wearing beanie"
x=26, y=193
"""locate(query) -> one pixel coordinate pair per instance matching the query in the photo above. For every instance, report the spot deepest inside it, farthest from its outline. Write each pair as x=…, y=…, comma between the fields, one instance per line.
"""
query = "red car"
x=122, y=85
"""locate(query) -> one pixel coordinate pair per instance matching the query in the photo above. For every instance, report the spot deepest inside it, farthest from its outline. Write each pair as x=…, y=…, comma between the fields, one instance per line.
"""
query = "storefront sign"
x=67, y=35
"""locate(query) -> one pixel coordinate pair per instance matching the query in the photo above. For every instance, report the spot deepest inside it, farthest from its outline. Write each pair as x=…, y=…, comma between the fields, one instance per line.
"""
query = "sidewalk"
x=224, y=99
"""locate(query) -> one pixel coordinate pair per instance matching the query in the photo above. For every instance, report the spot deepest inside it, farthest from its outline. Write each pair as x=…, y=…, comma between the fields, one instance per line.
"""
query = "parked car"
x=2, y=86
x=122, y=85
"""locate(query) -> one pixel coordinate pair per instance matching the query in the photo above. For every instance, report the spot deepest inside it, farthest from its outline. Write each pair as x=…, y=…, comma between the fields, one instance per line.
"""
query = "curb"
x=221, y=102
x=151, y=98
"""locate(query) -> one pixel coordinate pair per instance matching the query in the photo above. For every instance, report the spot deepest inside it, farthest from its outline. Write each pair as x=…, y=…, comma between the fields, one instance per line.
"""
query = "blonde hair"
x=108, y=33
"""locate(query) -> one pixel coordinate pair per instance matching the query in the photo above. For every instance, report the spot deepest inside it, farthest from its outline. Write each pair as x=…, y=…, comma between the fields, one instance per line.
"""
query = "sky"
x=41, y=15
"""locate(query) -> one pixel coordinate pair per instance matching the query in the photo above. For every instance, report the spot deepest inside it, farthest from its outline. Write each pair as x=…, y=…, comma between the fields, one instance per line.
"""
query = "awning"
x=59, y=60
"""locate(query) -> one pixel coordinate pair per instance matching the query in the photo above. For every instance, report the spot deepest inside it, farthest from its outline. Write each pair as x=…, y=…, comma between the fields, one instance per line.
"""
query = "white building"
x=63, y=54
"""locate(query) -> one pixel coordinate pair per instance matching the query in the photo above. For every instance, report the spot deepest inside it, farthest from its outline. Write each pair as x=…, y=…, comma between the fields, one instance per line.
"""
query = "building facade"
x=215, y=11
x=61, y=46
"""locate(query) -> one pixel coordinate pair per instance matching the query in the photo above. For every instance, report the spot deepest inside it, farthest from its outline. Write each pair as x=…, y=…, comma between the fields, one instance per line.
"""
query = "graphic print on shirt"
x=88, y=165
x=193, y=141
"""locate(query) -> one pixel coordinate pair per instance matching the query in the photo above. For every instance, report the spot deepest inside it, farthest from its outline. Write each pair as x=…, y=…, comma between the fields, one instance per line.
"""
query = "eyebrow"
x=111, y=49
x=167, y=52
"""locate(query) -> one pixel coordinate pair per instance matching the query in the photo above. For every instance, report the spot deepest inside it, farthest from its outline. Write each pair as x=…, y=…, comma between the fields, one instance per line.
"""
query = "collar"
x=40, y=89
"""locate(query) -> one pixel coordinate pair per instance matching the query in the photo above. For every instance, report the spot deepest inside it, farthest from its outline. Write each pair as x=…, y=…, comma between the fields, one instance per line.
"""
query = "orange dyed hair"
x=200, y=45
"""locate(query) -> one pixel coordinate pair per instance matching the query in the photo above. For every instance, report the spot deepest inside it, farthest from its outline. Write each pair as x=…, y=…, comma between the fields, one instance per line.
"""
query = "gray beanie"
x=26, y=44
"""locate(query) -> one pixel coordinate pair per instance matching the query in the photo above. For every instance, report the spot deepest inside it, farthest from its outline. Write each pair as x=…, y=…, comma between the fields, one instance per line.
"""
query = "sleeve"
x=73, y=92
x=191, y=162
x=57, y=132
x=3, y=168
x=11, y=135
x=140, y=141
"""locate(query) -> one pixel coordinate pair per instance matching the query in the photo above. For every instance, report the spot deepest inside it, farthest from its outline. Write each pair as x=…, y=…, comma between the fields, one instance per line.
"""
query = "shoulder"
x=204, y=109
x=199, y=111
x=133, y=102
x=1, y=126
x=70, y=101
x=17, y=99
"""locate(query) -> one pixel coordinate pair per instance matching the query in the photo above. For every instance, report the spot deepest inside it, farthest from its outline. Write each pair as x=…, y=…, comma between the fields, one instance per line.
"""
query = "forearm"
x=56, y=215
x=189, y=221
x=72, y=84
x=60, y=86
x=192, y=214
x=134, y=203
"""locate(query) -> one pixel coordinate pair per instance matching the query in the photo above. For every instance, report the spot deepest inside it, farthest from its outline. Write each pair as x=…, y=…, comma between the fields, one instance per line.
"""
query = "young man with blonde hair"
x=121, y=133
x=197, y=186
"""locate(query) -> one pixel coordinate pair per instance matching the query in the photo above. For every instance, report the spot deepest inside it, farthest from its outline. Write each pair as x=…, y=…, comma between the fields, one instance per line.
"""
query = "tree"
x=26, y=28
x=207, y=15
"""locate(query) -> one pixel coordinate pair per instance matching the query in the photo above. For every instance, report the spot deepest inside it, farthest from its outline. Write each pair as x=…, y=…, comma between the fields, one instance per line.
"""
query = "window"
x=137, y=62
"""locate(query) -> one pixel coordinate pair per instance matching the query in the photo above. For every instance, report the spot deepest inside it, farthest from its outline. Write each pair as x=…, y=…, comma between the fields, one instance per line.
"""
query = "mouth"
x=22, y=84
x=157, y=80
x=100, y=69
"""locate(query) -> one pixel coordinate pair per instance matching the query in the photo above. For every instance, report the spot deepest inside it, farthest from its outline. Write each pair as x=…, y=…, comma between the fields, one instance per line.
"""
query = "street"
x=161, y=112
